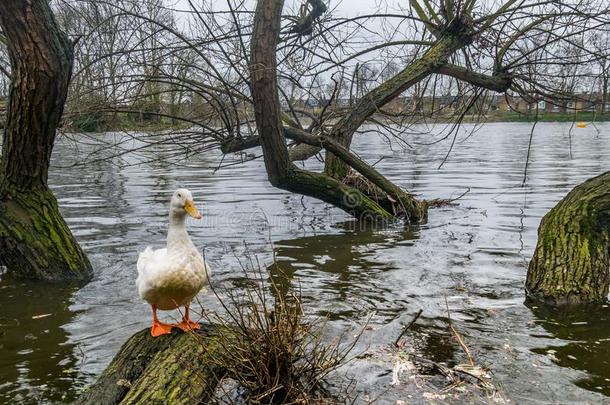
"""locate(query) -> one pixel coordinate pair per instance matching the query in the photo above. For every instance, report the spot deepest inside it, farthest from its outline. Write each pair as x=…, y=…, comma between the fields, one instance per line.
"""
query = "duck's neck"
x=177, y=236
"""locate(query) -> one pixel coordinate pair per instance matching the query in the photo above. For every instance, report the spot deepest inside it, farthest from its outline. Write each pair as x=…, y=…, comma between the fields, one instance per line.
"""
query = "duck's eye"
x=179, y=195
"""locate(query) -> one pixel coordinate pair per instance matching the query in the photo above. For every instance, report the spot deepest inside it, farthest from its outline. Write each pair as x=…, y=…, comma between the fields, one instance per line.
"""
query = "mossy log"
x=170, y=369
x=571, y=263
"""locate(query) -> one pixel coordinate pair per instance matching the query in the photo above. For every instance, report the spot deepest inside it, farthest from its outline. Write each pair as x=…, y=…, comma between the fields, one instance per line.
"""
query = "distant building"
x=313, y=103
x=448, y=104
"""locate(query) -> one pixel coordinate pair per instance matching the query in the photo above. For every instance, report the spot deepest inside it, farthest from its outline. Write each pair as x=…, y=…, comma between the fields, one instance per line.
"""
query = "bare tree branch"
x=498, y=83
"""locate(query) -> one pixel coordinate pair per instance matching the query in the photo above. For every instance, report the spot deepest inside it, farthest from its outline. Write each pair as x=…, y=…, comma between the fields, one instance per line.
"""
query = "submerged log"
x=174, y=369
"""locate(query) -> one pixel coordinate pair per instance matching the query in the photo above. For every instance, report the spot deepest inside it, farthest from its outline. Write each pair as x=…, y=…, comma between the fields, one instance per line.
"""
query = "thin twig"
x=457, y=335
x=439, y=202
x=406, y=328
x=529, y=148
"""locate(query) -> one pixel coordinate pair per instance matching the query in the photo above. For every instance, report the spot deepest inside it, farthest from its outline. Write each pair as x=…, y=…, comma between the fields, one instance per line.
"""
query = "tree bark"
x=571, y=263
x=170, y=369
x=404, y=204
x=498, y=83
x=265, y=90
x=35, y=242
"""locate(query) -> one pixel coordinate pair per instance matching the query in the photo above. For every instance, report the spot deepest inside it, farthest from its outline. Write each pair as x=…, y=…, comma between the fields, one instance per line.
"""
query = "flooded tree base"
x=571, y=263
x=401, y=205
x=35, y=242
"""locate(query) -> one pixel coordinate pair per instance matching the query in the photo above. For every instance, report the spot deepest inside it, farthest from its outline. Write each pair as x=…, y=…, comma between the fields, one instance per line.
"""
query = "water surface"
x=54, y=341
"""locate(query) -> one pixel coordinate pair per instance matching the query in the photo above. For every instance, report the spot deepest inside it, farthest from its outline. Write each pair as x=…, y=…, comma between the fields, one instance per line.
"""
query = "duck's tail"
x=144, y=259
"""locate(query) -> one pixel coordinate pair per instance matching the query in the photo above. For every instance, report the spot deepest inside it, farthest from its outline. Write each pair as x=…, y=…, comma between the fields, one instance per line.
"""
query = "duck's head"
x=182, y=204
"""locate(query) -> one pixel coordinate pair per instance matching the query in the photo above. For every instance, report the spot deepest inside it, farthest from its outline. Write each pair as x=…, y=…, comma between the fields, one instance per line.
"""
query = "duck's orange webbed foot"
x=159, y=328
x=186, y=324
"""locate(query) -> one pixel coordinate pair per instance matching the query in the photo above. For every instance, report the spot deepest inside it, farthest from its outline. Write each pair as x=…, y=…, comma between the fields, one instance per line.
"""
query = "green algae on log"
x=571, y=263
x=176, y=368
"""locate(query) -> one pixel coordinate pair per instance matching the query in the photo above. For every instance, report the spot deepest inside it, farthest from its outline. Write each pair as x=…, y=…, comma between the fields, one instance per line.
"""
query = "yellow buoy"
x=581, y=125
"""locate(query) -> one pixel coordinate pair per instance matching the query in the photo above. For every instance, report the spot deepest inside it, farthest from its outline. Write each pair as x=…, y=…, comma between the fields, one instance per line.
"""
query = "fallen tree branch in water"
x=440, y=202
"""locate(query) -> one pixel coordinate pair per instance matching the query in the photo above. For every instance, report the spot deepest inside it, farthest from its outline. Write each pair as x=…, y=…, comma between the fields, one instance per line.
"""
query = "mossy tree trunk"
x=35, y=242
x=571, y=263
x=281, y=172
x=366, y=194
x=170, y=369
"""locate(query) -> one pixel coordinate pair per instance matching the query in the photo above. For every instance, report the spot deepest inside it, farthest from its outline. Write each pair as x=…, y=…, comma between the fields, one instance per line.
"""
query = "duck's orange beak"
x=190, y=209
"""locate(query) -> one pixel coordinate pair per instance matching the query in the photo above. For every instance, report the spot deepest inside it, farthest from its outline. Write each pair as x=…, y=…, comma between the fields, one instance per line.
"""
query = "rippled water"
x=54, y=341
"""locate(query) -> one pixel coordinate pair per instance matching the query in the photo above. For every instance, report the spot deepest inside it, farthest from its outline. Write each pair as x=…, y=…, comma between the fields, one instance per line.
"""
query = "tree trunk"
x=605, y=84
x=571, y=263
x=35, y=242
x=434, y=58
x=281, y=172
x=385, y=193
x=170, y=369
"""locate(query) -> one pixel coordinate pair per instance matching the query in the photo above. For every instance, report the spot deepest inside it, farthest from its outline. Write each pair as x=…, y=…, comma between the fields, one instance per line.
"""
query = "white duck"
x=169, y=278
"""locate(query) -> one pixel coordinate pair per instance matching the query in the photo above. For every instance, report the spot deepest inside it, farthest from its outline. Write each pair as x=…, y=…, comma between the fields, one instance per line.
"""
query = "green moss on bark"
x=170, y=369
x=571, y=263
x=35, y=241
x=336, y=193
